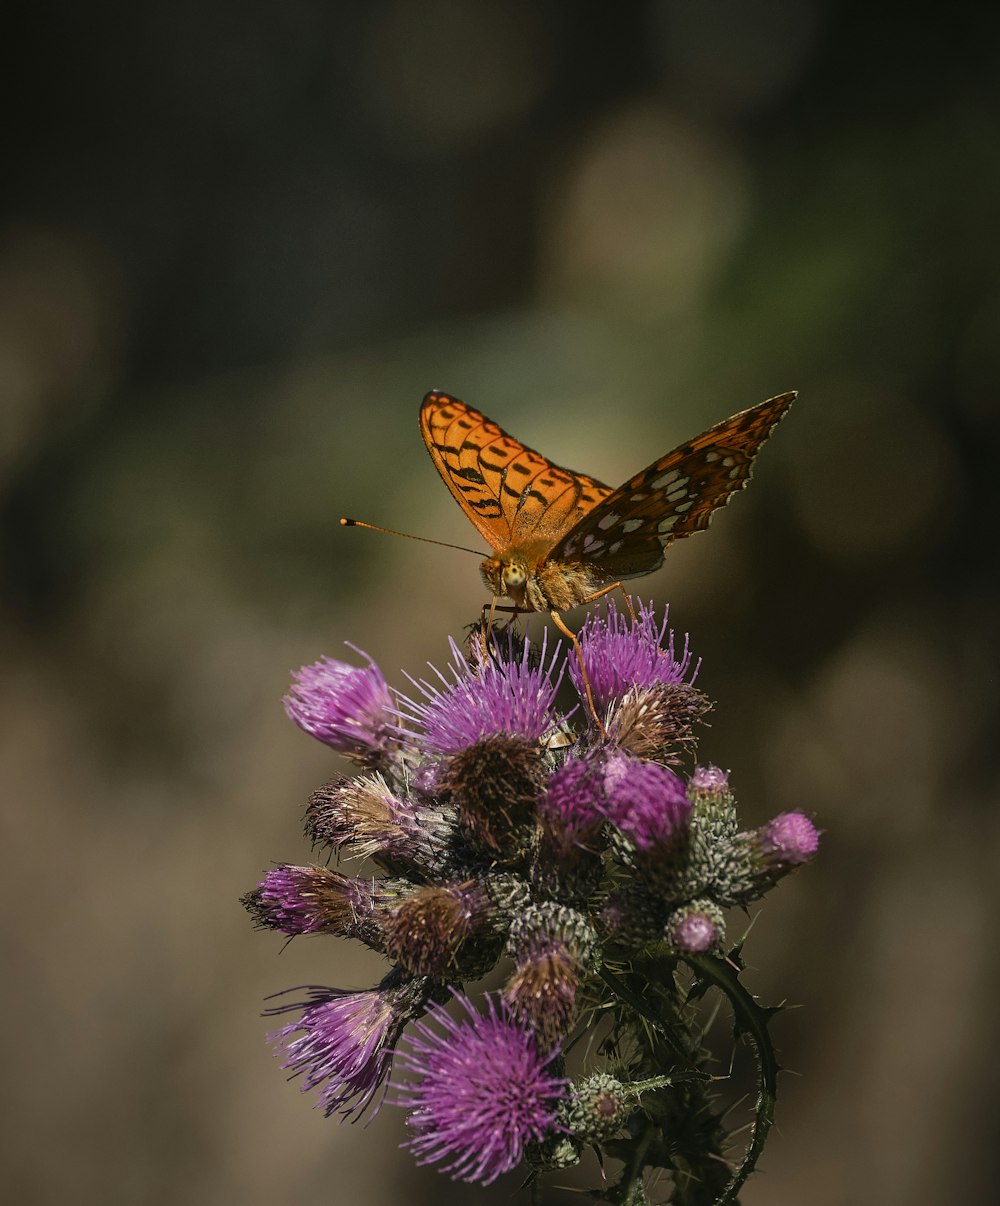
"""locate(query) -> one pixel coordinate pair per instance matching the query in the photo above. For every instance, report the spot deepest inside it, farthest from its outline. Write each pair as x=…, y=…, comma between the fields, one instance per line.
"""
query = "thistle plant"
x=507, y=835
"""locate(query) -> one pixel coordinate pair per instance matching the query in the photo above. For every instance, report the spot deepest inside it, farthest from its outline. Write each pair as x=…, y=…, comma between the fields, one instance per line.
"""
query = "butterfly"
x=561, y=538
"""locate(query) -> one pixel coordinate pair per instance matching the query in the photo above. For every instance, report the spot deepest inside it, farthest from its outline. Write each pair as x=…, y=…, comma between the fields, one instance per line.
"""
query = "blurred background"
x=238, y=242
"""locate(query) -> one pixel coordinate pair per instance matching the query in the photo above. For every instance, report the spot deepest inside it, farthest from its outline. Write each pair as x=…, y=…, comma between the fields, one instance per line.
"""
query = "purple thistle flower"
x=709, y=780
x=572, y=808
x=788, y=840
x=343, y=1042
x=645, y=801
x=621, y=655
x=307, y=900
x=345, y=706
x=485, y=1092
x=512, y=695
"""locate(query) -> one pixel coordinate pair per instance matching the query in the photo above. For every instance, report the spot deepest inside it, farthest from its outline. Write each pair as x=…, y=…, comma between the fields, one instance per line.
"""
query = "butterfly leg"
x=571, y=636
x=486, y=618
x=606, y=590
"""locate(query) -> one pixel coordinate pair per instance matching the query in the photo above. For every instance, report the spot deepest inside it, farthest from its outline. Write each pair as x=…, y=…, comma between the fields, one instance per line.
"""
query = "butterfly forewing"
x=512, y=494
x=675, y=496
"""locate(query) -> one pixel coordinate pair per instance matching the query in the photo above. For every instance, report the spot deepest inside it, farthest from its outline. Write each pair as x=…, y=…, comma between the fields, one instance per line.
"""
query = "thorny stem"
x=750, y=1019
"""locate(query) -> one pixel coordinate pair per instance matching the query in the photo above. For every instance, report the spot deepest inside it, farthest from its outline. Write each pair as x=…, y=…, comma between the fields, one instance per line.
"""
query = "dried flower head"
x=444, y=931
x=553, y=949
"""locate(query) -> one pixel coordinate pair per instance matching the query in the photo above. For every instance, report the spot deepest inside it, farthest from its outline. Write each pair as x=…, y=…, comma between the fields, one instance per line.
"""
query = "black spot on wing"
x=470, y=475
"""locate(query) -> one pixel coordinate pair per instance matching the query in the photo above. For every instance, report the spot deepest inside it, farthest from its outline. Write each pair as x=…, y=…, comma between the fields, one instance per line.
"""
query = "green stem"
x=749, y=1019
x=637, y=1164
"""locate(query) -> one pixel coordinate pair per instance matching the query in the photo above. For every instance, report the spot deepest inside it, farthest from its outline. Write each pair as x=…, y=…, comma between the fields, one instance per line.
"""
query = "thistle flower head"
x=788, y=840
x=645, y=801
x=480, y=1090
x=572, y=808
x=512, y=694
x=342, y=1043
x=310, y=900
x=621, y=655
x=345, y=706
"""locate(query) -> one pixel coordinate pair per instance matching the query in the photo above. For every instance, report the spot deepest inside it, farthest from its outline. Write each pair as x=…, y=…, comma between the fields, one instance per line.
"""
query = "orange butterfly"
x=561, y=538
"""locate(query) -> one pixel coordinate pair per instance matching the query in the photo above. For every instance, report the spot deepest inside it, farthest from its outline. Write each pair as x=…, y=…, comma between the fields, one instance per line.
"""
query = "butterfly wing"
x=625, y=536
x=512, y=494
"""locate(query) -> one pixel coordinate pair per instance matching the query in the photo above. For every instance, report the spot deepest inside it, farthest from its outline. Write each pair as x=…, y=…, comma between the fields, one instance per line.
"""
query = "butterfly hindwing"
x=675, y=496
x=511, y=493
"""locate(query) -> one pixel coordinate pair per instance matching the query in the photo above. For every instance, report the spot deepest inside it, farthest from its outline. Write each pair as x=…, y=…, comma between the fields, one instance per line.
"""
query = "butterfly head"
x=506, y=577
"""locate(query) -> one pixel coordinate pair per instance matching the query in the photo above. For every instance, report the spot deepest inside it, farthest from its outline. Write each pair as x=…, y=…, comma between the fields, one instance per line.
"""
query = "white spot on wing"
x=632, y=525
x=659, y=483
x=665, y=526
x=613, y=548
x=608, y=521
x=711, y=456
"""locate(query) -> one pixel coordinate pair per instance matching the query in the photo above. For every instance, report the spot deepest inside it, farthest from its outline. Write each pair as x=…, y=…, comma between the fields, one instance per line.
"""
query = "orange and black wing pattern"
x=675, y=496
x=513, y=495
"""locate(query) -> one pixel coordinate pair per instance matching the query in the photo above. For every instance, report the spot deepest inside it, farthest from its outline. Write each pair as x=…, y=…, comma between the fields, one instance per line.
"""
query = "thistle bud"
x=788, y=841
x=597, y=1108
x=695, y=928
x=553, y=948
x=713, y=806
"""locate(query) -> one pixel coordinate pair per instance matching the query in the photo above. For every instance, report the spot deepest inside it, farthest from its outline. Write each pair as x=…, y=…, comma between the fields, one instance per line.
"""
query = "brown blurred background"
x=238, y=241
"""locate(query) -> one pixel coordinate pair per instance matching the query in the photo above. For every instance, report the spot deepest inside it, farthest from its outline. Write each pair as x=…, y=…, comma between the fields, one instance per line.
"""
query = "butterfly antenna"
x=373, y=527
